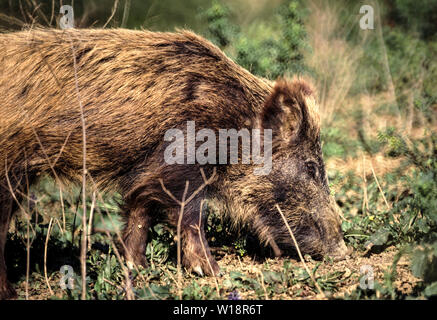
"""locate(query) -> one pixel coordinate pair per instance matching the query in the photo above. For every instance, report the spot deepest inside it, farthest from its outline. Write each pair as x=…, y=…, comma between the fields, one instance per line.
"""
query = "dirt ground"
x=349, y=281
x=346, y=281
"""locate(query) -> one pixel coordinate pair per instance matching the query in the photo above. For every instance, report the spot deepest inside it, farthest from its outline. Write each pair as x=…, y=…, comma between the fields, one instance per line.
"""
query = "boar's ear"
x=291, y=112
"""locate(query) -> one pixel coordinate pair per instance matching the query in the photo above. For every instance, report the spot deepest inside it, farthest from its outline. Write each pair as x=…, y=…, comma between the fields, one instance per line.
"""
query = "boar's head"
x=297, y=182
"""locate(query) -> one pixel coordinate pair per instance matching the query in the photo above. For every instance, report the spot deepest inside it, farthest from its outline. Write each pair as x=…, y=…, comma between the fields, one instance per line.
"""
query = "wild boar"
x=135, y=86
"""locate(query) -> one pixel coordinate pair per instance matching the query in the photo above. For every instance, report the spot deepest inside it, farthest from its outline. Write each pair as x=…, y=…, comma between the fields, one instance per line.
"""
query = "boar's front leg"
x=195, y=257
x=135, y=236
x=196, y=254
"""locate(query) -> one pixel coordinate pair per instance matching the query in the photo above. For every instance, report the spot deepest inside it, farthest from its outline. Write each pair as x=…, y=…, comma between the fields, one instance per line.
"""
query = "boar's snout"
x=340, y=252
x=319, y=232
x=337, y=248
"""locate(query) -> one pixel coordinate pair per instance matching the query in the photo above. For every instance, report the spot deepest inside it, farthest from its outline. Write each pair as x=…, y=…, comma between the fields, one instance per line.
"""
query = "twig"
x=40, y=12
x=59, y=226
x=113, y=284
x=11, y=190
x=129, y=292
x=181, y=213
x=45, y=255
x=114, y=8
x=11, y=20
x=365, y=200
x=28, y=242
x=83, y=252
x=53, y=12
x=379, y=186
x=182, y=205
x=204, y=249
x=125, y=13
x=52, y=167
x=299, y=253
x=263, y=285
x=90, y=223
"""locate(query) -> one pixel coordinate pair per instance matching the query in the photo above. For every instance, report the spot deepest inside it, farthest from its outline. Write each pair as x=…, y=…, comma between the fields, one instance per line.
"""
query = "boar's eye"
x=312, y=169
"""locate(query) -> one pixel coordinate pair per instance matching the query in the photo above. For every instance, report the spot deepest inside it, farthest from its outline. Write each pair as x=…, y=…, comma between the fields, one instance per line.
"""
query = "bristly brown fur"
x=135, y=85
x=292, y=107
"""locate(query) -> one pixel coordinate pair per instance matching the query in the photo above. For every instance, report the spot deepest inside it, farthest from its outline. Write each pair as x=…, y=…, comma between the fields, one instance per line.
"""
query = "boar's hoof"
x=207, y=271
x=136, y=261
x=198, y=270
x=204, y=269
x=7, y=292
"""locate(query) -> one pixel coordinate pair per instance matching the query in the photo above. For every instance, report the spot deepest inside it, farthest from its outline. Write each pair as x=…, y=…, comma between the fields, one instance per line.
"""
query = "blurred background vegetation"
x=378, y=99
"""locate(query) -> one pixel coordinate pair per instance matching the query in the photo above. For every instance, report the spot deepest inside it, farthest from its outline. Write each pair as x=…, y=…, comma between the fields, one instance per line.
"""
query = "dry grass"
x=336, y=63
x=334, y=59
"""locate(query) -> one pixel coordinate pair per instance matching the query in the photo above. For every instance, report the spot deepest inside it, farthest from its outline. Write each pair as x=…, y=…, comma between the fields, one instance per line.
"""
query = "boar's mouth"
x=318, y=245
x=315, y=237
x=285, y=244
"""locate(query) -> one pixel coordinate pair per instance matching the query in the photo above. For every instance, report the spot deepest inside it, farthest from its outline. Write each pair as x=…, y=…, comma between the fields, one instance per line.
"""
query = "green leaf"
x=424, y=262
x=273, y=277
x=380, y=237
x=154, y=292
x=431, y=290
